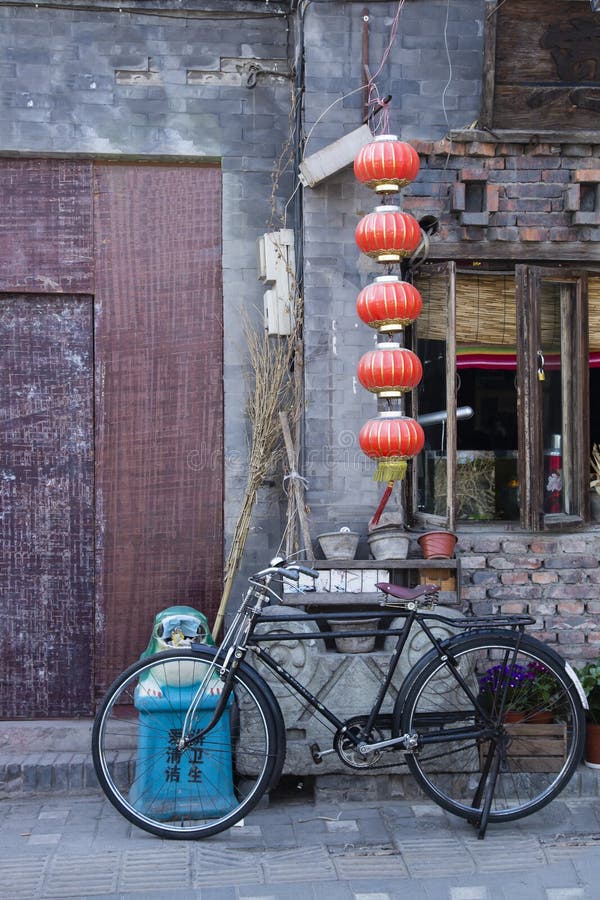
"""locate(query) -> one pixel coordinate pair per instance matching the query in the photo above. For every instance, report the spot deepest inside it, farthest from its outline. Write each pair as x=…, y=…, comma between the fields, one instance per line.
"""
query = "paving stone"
x=138, y=870
x=500, y=853
x=303, y=864
x=225, y=867
x=353, y=867
x=448, y=853
x=22, y=878
x=478, y=892
x=76, y=876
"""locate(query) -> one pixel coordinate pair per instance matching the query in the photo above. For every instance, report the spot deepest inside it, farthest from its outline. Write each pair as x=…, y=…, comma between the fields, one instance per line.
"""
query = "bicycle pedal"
x=315, y=752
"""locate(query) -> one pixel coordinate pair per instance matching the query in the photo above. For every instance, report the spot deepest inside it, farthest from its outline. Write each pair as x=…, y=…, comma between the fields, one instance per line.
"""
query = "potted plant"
x=595, y=483
x=530, y=691
x=589, y=676
x=532, y=714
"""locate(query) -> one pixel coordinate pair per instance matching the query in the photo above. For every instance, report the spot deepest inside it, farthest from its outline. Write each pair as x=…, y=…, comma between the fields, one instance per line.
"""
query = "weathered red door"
x=111, y=420
x=46, y=505
x=159, y=399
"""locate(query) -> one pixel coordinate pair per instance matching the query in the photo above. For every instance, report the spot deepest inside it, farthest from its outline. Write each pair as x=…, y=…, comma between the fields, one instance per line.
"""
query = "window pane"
x=594, y=325
x=557, y=301
x=486, y=476
x=431, y=463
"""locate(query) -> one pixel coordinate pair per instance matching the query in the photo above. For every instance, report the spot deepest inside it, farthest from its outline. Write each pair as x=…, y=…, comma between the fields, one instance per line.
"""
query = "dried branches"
x=269, y=392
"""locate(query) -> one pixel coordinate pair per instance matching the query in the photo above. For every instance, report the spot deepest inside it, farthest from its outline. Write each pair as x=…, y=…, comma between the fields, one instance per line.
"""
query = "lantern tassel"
x=390, y=469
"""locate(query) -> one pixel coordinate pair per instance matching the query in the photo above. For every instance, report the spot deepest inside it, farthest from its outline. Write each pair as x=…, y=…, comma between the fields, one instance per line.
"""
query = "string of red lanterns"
x=388, y=304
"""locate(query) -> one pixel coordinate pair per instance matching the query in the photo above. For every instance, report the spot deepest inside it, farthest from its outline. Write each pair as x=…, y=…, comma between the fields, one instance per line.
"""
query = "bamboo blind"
x=485, y=310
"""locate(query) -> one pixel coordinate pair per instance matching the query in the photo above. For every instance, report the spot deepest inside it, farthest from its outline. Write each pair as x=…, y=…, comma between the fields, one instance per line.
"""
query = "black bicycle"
x=490, y=721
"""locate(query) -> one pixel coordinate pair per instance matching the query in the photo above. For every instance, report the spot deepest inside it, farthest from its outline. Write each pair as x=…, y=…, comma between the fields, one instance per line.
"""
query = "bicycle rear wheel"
x=503, y=756
x=212, y=784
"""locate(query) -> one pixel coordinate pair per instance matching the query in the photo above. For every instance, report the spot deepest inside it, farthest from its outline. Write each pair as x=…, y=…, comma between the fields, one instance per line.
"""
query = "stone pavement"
x=77, y=846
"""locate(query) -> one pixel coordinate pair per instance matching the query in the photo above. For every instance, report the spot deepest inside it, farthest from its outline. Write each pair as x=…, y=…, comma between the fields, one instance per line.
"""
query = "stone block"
x=475, y=218
x=562, y=591
x=534, y=234
x=542, y=577
x=586, y=175
x=573, y=560
x=500, y=562
x=570, y=607
x=484, y=576
x=485, y=544
x=514, y=578
x=472, y=562
x=516, y=592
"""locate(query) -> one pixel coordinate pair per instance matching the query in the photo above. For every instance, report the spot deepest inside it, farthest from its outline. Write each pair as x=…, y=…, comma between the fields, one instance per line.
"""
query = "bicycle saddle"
x=407, y=594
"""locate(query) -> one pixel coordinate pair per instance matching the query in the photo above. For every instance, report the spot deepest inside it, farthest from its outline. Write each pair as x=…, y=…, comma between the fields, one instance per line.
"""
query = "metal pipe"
x=436, y=418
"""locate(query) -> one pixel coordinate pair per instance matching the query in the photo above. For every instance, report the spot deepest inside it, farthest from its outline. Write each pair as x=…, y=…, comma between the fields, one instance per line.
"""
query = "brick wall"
x=555, y=578
x=530, y=193
x=152, y=86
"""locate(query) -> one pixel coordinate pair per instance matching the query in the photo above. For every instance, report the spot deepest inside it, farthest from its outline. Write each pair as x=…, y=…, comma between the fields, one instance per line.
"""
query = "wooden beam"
x=489, y=63
x=580, y=251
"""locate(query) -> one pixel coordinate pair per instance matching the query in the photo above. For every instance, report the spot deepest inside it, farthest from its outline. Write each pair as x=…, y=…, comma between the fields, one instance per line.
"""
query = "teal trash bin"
x=198, y=782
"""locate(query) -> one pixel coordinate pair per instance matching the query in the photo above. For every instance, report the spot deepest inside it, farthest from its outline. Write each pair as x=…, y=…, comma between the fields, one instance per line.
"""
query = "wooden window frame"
x=576, y=426
x=448, y=269
x=575, y=386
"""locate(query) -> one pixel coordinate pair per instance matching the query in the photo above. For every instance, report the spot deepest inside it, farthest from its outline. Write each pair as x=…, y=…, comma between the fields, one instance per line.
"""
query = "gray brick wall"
x=421, y=80
x=150, y=87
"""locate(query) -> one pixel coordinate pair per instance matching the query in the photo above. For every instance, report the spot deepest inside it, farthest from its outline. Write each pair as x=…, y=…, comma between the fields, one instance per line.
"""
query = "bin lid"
x=176, y=624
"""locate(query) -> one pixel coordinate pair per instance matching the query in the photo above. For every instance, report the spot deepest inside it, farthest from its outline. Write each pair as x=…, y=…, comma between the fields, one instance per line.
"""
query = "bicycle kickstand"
x=490, y=787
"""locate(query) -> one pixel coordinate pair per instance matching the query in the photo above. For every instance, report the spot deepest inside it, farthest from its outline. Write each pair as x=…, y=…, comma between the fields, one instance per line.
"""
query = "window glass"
x=431, y=346
x=486, y=476
x=518, y=448
x=594, y=325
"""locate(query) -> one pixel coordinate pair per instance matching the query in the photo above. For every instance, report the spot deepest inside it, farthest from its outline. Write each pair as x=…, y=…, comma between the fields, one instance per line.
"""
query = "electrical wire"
x=449, y=58
x=128, y=9
x=374, y=98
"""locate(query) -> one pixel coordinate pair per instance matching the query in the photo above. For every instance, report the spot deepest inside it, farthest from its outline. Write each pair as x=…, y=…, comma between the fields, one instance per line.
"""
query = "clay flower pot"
x=592, y=745
x=339, y=544
x=389, y=542
x=437, y=544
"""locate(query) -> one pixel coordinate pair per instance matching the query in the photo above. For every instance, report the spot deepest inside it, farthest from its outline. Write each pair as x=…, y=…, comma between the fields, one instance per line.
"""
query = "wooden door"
x=111, y=418
x=159, y=400
x=46, y=506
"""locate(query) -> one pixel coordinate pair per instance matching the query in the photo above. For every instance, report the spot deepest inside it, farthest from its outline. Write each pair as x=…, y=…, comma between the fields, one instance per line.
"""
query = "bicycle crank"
x=352, y=748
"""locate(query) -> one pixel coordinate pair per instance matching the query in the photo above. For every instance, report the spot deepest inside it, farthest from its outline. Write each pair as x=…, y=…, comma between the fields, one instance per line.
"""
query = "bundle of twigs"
x=269, y=392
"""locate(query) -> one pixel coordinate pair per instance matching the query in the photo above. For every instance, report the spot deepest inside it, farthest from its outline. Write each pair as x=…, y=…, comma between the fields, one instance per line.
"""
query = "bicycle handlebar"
x=293, y=572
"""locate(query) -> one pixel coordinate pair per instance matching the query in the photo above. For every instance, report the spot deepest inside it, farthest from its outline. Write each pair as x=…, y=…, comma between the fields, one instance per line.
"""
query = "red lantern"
x=390, y=370
x=386, y=164
x=387, y=234
x=391, y=439
x=388, y=303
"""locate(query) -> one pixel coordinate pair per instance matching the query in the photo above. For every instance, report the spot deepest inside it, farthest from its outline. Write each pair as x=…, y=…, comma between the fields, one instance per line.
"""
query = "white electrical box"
x=276, y=267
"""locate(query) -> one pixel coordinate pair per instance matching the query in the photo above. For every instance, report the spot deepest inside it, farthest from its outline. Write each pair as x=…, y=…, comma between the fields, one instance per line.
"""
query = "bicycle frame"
x=242, y=638
x=411, y=616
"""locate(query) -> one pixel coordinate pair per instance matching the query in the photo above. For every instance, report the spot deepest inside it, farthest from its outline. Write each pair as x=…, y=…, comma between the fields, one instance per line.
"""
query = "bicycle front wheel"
x=508, y=738
x=212, y=784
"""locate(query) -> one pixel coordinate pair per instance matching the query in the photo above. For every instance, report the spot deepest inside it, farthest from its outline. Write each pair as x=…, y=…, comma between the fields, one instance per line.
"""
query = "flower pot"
x=339, y=544
x=437, y=544
x=357, y=644
x=592, y=745
x=534, y=747
x=389, y=543
x=595, y=506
